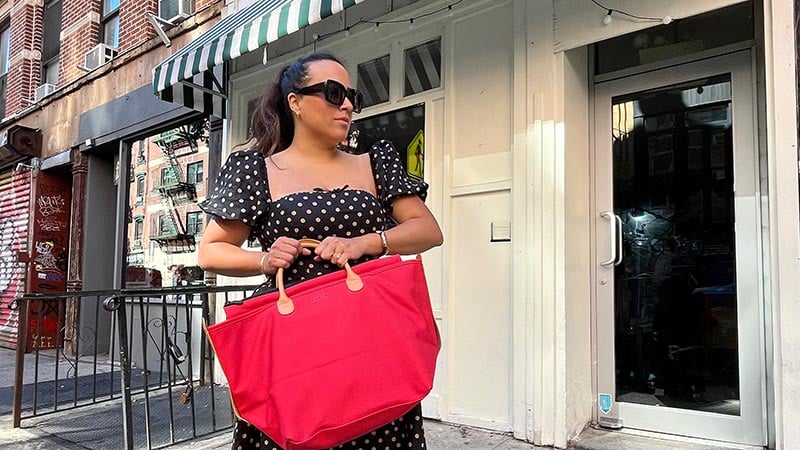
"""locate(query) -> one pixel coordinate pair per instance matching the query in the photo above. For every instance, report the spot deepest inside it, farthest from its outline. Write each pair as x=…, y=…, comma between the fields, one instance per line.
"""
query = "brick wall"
x=25, y=49
x=134, y=27
x=80, y=31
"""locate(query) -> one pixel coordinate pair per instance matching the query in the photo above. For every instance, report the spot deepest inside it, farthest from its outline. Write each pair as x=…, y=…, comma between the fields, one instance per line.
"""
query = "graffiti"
x=13, y=225
x=51, y=224
x=51, y=277
x=50, y=204
x=45, y=261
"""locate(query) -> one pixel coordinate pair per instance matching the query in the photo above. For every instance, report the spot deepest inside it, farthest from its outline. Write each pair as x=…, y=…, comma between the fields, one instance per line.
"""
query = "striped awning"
x=192, y=77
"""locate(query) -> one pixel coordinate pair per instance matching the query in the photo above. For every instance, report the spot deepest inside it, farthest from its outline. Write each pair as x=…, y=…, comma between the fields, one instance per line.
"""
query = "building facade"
x=617, y=183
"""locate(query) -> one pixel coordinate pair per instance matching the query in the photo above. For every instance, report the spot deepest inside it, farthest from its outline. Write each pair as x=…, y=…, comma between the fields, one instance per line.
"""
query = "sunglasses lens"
x=357, y=101
x=335, y=93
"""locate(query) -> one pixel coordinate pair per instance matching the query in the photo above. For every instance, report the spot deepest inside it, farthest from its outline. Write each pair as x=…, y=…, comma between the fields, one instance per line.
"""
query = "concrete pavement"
x=98, y=427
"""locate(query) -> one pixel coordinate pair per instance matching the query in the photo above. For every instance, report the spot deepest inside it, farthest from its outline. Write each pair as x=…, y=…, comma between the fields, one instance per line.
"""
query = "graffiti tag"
x=50, y=204
x=44, y=257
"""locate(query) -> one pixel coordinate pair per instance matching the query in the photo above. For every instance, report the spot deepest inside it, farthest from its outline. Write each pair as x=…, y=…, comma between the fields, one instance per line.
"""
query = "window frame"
x=197, y=217
x=396, y=44
x=162, y=230
x=403, y=54
x=164, y=178
x=5, y=50
x=189, y=172
x=138, y=228
x=107, y=17
x=382, y=55
x=53, y=61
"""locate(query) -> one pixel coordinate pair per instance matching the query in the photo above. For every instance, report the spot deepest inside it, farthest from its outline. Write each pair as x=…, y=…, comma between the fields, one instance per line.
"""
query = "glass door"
x=679, y=341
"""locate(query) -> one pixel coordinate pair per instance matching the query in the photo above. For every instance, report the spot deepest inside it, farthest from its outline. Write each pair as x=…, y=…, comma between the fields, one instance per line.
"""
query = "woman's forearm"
x=412, y=236
x=227, y=259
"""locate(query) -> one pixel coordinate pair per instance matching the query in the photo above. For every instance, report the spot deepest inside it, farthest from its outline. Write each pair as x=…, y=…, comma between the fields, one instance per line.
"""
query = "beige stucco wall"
x=516, y=147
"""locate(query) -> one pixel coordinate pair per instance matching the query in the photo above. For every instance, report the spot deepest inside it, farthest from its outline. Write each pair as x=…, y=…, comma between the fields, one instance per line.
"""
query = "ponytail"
x=272, y=126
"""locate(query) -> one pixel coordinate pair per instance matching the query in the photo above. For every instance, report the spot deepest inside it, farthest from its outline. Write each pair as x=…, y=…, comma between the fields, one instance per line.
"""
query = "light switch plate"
x=501, y=231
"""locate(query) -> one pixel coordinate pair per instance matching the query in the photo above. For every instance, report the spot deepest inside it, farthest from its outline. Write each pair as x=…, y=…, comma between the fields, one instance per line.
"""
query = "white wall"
x=578, y=242
x=781, y=133
x=479, y=99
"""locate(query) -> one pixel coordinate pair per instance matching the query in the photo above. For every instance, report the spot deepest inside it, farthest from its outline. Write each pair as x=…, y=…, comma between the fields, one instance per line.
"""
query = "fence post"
x=22, y=338
x=117, y=303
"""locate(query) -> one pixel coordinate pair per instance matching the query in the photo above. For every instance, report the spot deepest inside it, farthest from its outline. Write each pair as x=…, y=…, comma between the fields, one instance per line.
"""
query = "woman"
x=296, y=184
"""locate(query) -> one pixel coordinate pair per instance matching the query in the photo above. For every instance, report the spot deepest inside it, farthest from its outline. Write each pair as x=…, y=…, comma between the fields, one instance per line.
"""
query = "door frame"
x=750, y=427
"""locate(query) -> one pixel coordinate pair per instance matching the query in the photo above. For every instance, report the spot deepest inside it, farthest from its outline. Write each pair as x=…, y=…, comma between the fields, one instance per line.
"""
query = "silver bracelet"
x=384, y=242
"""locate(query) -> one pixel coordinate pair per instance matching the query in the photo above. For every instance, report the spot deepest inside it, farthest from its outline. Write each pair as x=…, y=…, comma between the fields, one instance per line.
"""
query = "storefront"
x=608, y=187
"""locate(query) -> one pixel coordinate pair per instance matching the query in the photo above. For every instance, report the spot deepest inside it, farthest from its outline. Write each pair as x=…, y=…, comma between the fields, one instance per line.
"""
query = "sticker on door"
x=604, y=400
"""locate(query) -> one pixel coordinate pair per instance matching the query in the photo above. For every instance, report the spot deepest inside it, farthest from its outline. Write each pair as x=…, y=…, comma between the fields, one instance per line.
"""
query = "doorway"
x=677, y=272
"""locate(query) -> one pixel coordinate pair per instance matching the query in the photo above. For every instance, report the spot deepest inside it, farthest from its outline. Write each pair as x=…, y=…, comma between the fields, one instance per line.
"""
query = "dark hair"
x=272, y=126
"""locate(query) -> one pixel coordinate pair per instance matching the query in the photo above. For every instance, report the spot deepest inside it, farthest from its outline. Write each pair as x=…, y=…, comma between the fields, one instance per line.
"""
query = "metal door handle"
x=612, y=218
x=619, y=240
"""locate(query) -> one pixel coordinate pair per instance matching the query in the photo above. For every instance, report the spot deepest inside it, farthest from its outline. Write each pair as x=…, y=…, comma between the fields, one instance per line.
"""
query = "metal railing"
x=143, y=350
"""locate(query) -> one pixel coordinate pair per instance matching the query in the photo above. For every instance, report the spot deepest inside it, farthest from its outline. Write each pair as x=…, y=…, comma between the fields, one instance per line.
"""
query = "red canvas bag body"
x=327, y=360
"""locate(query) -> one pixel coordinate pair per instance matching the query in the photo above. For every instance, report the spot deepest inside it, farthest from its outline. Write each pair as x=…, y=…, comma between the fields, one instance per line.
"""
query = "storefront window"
x=423, y=67
x=373, y=80
x=166, y=222
x=404, y=127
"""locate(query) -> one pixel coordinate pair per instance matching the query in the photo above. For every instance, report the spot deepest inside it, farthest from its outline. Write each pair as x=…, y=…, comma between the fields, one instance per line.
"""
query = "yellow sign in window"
x=415, y=156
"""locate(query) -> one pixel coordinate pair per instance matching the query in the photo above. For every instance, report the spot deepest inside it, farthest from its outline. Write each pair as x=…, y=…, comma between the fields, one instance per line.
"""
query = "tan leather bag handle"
x=286, y=305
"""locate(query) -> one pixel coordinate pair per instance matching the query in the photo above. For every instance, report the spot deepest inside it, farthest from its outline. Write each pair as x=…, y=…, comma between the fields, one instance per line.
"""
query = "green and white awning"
x=192, y=77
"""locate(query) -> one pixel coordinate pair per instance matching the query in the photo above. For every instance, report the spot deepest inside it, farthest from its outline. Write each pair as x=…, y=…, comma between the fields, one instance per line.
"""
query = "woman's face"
x=325, y=119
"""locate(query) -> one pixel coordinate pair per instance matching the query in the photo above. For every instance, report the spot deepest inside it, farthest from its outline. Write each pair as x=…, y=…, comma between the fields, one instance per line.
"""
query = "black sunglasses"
x=335, y=93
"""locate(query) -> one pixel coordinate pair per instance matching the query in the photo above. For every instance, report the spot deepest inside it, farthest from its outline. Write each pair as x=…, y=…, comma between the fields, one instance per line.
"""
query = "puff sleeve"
x=241, y=190
x=391, y=179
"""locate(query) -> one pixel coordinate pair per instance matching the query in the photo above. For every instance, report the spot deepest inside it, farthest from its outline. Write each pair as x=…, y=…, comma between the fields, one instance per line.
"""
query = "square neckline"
x=316, y=190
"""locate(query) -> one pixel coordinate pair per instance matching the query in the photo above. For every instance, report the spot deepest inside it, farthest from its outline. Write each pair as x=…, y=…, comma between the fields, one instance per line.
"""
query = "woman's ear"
x=294, y=103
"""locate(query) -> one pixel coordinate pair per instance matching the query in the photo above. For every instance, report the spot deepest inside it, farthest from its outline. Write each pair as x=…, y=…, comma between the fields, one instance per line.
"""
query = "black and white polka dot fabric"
x=242, y=193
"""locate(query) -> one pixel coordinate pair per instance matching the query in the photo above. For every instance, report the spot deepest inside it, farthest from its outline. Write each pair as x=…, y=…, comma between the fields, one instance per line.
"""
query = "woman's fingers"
x=337, y=250
x=284, y=251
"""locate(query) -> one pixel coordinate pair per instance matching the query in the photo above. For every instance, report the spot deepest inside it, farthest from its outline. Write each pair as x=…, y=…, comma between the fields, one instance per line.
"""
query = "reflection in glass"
x=675, y=290
x=166, y=223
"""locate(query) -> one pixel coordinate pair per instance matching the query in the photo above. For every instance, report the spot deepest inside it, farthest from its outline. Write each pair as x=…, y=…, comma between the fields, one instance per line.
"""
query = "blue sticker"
x=605, y=403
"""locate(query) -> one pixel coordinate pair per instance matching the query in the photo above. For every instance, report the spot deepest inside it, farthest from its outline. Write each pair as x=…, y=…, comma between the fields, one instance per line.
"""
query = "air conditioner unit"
x=98, y=55
x=43, y=91
x=172, y=10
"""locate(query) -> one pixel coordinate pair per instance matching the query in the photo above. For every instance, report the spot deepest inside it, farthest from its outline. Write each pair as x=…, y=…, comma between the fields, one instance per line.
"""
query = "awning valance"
x=192, y=77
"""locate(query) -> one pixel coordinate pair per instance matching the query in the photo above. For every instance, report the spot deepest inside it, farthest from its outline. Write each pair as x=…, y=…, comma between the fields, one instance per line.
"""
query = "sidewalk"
x=440, y=436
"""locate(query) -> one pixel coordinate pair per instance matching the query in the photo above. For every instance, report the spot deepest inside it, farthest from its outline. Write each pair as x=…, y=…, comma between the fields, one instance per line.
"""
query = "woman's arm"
x=220, y=251
x=416, y=231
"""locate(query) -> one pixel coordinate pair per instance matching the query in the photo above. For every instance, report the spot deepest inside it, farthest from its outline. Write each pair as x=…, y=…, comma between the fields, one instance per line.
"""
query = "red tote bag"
x=327, y=360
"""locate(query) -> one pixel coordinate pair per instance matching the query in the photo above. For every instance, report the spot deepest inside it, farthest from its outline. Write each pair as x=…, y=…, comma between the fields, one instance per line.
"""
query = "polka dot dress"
x=242, y=193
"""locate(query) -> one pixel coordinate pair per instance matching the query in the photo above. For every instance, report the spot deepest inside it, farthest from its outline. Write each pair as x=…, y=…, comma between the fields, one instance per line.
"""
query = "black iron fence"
x=135, y=358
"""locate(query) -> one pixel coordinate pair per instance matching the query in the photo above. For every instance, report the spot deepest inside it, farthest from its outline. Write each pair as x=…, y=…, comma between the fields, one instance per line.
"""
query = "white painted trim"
x=522, y=416
x=678, y=60
x=781, y=131
x=479, y=422
x=746, y=427
x=483, y=188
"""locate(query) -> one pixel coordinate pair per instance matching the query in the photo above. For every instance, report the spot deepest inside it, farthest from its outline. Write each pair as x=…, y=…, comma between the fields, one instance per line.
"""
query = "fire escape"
x=174, y=191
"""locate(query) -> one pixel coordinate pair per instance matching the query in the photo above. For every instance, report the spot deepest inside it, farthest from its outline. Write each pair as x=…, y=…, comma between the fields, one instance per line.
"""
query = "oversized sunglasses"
x=335, y=93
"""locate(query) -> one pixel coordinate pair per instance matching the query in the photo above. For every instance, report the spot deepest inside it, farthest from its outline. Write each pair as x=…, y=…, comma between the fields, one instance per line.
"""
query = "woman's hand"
x=282, y=254
x=340, y=250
